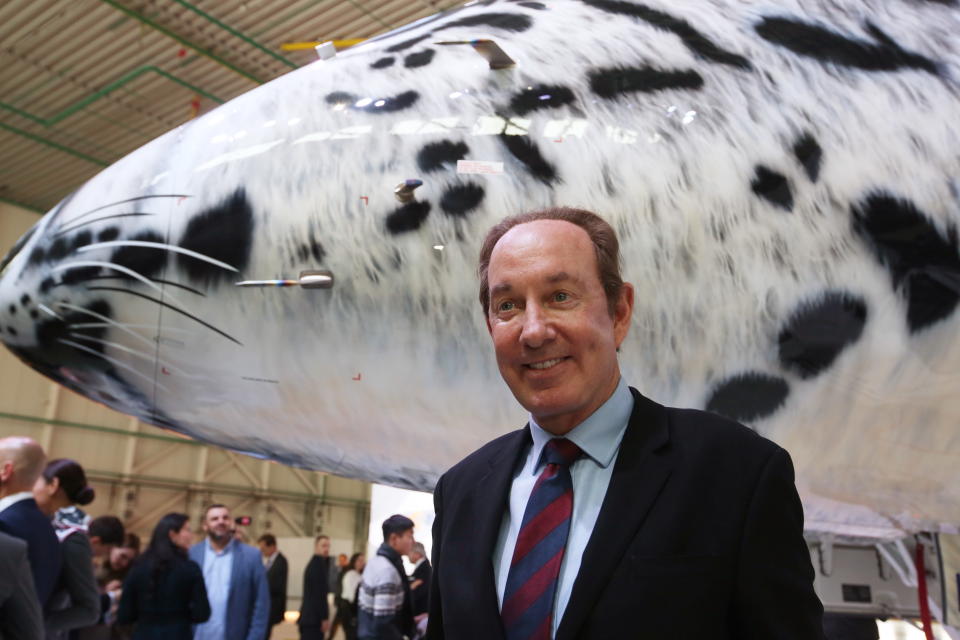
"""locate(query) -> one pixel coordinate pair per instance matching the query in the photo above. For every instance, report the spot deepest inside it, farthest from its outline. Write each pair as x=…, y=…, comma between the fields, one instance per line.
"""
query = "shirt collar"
x=225, y=551
x=599, y=435
x=14, y=498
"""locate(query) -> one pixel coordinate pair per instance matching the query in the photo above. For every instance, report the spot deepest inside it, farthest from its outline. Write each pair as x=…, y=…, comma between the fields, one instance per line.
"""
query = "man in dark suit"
x=21, y=462
x=419, y=579
x=609, y=515
x=276, y=565
x=20, y=615
x=314, y=608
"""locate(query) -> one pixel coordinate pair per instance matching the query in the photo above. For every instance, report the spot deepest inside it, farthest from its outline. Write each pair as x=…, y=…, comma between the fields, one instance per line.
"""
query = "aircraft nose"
x=30, y=324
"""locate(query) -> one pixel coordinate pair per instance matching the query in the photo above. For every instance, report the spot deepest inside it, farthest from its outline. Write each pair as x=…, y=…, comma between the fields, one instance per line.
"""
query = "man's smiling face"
x=218, y=524
x=555, y=340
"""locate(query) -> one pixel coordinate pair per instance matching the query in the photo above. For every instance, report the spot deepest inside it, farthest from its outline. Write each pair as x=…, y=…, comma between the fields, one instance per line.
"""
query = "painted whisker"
x=158, y=245
x=112, y=361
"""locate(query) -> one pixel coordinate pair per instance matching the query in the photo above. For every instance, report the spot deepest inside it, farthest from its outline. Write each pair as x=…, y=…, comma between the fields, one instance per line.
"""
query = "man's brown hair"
x=213, y=506
x=601, y=234
x=268, y=539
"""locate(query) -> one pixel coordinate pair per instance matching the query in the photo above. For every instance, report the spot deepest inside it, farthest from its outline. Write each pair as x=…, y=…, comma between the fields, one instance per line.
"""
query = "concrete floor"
x=289, y=631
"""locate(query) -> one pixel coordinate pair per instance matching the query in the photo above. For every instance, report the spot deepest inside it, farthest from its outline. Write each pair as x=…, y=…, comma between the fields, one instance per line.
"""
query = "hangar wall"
x=141, y=472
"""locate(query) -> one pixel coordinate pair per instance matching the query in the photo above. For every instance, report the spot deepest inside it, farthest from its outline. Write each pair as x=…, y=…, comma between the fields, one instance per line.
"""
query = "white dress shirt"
x=217, y=572
x=599, y=437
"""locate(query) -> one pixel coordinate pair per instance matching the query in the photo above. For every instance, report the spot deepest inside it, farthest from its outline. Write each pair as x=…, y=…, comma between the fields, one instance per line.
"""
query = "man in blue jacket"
x=236, y=582
x=21, y=462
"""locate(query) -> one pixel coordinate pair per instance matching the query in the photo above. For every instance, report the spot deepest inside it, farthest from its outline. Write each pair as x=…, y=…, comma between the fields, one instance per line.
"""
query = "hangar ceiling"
x=85, y=82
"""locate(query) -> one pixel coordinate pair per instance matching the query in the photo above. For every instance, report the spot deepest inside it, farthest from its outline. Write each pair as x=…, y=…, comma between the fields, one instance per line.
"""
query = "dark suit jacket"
x=24, y=520
x=169, y=610
x=20, y=615
x=314, y=608
x=700, y=535
x=421, y=595
x=277, y=584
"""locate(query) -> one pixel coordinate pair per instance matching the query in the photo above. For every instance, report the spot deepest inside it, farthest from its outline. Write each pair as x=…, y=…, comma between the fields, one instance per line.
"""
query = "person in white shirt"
x=347, y=607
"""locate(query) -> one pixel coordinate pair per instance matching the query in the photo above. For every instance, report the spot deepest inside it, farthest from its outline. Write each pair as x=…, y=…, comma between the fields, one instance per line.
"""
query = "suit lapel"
x=641, y=469
x=490, y=497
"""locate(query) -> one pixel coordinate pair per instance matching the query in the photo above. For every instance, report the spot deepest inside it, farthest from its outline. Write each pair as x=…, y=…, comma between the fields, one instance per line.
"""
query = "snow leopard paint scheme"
x=783, y=181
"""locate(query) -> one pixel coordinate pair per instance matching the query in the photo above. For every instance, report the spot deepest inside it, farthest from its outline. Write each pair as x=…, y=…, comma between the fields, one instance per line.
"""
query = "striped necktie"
x=527, y=610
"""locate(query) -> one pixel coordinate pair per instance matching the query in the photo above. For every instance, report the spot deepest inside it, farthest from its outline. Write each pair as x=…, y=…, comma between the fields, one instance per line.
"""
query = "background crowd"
x=67, y=576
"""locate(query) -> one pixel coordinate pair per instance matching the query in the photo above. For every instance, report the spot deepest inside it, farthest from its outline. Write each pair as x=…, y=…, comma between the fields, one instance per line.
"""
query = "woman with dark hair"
x=164, y=594
x=348, y=593
x=60, y=489
x=75, y=602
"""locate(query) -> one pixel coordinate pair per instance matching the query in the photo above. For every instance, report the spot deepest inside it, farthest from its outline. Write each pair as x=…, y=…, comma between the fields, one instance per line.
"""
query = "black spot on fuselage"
x=13, y=309
x=382, y=63
x=515, y=22
x=59, y=250
x=406, y=44
x=748, y=396
x=808, y=152
x=50, y=331
x=825, y=45
x=433, y=156
x=25, y=299
x=82, y=239
x=532, y=5
x=37, y=256
x=409, y=217
x=340, y=98
x=34, y=314
x=11, y=331
x=419, y=59
x=923, y=264
x=46, y=284
x=612, y=82
x=461, y=199
x=693, y=39
x=389, y=104
x=818, y=331
x=223, y=232
x=316, y=250
x=773, y=187
x=79, y=274
x=146, y=261
x=527, y=152
x=543, y=96
x=109, y=234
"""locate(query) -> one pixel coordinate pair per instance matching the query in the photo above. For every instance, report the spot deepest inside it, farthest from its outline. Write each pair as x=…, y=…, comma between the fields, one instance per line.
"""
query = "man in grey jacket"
x=20, y=616
x=385, y=609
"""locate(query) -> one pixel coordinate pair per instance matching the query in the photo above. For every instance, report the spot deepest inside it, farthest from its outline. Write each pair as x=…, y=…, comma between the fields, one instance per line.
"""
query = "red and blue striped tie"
x=527, y=611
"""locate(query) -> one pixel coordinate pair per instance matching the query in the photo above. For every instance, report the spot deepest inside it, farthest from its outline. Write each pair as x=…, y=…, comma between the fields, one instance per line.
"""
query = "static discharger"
x=496, y=57
x=322, y=279
x=404, y=191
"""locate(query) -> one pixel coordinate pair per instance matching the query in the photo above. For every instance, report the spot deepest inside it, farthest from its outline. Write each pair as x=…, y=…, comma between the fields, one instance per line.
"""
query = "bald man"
x=21, y=462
